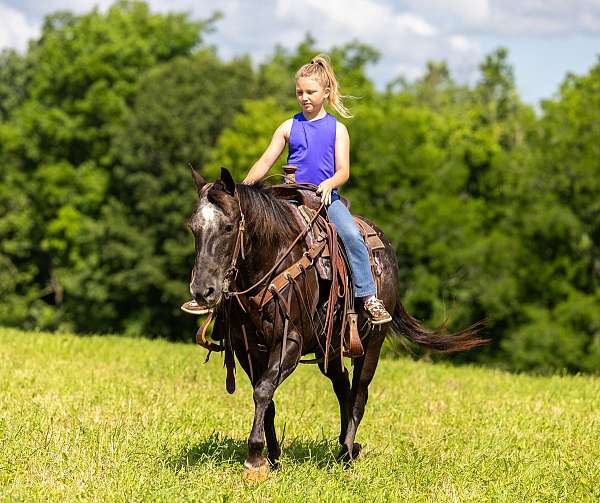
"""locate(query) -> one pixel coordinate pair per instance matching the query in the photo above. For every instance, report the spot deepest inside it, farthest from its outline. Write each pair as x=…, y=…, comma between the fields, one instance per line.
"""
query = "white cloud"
x=406, y=40
x=359, y=18
x=460, y=42
x=462, y=11
x=511, y=17
x=15, y=28
x=406, y=32
x=591, y=21
x=38, y=9
x=410, y=23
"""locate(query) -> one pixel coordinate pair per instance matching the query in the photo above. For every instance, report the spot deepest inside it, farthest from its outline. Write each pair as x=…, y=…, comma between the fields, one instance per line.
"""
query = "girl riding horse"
x=319, y=147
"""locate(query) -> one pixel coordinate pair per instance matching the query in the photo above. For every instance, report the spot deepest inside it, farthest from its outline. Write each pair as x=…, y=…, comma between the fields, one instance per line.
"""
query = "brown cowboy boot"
x=376, y=311
x=192, y=307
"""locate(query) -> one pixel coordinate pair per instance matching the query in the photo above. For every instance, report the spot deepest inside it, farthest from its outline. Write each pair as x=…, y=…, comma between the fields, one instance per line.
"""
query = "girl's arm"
x=270, y=156
x=342, y=164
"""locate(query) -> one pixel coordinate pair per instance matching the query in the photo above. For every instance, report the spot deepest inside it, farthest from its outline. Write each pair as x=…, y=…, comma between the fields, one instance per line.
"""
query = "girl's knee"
x=349, y=232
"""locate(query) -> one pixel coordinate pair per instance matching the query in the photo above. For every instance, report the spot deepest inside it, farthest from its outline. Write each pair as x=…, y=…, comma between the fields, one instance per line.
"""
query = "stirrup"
x=353, y=347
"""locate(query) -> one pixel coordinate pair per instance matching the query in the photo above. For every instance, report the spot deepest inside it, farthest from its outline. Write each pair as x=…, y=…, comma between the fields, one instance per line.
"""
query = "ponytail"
x=320, y=69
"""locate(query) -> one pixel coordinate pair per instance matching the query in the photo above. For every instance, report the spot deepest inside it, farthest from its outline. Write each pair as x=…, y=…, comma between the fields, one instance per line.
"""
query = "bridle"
x=232, y=270
x=238, y=250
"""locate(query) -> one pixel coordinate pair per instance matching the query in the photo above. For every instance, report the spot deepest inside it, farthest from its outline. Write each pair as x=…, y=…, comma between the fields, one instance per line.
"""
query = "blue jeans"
x=338, y=214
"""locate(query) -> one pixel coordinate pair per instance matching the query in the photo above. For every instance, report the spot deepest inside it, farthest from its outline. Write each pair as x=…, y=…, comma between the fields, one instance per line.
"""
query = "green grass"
x=114, y=419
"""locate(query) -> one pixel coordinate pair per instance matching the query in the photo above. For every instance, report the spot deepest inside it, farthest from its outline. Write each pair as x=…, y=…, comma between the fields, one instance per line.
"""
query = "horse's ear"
x=198, y=180
x=227, y=180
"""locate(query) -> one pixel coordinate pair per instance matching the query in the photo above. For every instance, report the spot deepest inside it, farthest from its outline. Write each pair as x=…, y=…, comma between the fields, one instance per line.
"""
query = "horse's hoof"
x=344, y=456
x=273, y=458
x=255, y=474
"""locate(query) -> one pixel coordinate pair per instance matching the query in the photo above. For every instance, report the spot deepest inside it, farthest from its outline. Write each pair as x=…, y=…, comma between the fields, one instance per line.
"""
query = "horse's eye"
x=228, y=228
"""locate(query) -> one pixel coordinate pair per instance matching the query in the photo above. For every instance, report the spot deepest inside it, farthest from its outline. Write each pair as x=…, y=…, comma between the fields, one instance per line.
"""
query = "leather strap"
x=230, y=364
x=373, y=242
x=201, y=339
x=278, y=263
x=265, y=295
x=247, y=348
x=229, y=360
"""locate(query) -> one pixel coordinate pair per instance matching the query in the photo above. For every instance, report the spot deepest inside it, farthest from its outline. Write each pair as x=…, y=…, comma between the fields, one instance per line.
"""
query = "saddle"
x=303, y=194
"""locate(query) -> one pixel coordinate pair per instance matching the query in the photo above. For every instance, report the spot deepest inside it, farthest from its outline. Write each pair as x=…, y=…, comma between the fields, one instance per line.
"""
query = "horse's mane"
x=269, y=221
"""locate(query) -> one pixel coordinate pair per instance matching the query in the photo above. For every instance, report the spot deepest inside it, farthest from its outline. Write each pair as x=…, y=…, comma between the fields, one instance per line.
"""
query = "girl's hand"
x=325, y=188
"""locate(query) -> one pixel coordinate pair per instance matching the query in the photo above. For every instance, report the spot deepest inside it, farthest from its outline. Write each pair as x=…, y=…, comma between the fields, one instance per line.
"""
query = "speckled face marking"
x=214, y=241
x=209, y=221
x=209, y=213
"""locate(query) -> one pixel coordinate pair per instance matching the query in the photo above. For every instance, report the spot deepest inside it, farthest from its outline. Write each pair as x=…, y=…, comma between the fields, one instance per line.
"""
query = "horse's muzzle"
x=206, y=296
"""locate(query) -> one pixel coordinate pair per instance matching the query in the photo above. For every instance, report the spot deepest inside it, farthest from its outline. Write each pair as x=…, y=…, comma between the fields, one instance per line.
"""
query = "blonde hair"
x=320, y=69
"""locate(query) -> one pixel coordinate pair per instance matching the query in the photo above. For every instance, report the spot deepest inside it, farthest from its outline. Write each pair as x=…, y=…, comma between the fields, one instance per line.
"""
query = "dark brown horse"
x=257, y=341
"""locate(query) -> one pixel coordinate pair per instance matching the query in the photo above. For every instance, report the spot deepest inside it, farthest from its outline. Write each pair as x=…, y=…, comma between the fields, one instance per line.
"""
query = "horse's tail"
x=436, y=339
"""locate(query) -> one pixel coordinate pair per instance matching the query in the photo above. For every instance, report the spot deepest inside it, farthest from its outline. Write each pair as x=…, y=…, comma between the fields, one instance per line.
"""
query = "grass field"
x=118, y=419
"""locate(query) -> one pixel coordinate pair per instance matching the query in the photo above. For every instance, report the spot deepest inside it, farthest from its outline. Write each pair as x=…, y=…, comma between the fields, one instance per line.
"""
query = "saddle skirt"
x=305, y=202
x=304, y=215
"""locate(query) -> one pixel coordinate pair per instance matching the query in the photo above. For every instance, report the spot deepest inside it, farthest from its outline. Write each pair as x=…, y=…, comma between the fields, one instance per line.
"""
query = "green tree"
x=177, y=114
x=14, y=76
x=561, y=236
x=56, y=155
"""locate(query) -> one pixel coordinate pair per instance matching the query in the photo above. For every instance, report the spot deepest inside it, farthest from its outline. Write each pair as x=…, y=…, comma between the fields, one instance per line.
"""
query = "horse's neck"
x=261, y=259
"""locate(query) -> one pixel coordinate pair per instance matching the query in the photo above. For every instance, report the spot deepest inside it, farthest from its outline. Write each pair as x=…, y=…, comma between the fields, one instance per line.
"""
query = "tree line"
x=492, y=206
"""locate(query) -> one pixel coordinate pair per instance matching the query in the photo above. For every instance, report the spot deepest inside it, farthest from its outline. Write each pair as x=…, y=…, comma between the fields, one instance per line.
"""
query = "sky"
x=545, y=38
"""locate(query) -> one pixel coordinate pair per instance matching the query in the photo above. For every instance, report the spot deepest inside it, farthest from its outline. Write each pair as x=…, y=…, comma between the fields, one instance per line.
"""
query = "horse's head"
x=215, y=224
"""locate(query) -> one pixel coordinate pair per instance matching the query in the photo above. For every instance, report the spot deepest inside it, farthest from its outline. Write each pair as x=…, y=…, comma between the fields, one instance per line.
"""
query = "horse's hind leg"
x=362, y=375
x=341, y=386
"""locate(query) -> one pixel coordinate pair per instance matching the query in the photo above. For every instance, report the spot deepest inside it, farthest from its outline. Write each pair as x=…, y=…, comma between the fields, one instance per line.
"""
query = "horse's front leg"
x=273, y=449
x=245, y=358
x=281, y=364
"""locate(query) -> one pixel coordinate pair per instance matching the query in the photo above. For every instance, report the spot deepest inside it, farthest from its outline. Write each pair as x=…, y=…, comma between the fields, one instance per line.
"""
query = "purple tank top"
x=312, y=149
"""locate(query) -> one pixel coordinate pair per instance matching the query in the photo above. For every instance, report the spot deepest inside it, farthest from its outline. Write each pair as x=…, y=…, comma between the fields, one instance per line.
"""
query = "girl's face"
x=310, y=94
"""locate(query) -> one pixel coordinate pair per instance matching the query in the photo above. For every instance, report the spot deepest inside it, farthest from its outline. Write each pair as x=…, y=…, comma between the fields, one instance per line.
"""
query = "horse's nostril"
x=208, y=293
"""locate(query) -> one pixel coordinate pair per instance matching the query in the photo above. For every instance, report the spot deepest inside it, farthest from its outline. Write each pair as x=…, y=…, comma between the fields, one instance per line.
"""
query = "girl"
x=319, y=147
